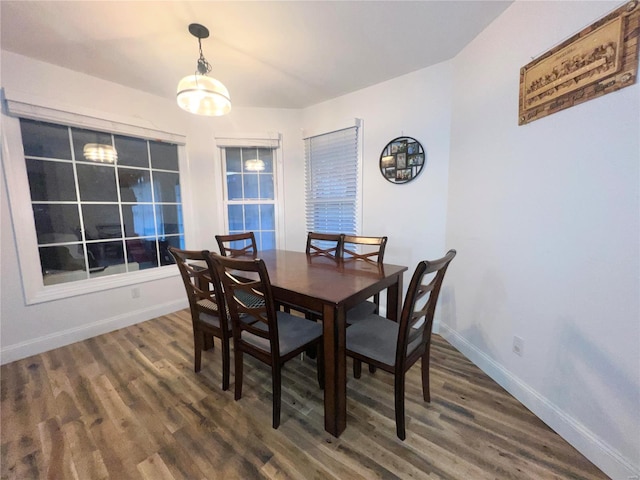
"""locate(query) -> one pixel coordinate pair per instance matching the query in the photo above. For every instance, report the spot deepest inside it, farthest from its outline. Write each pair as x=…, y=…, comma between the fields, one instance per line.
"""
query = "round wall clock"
x=402, y=160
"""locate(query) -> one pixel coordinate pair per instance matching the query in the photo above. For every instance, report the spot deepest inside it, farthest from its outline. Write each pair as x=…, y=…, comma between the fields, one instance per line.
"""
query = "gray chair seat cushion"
x=293, y=332
x=360, y=312
x=376, y=338
x=213, y=320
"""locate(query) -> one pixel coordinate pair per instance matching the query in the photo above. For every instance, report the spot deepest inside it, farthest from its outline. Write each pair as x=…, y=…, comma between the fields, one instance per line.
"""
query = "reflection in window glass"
x=101, y=221
x=164, y=156
x=57, y=223
x=132, y=152
x=234, y=186
x=51, y=181
x=166, y=186
x=83, y=137
x=171, y=219
x=62, y=263
x=135, y=185
x=97, y=183
x=252, y=217
x=250, y=181
x=139, y=220
x=142, y=252
x=41, y=139
x=266, y=187
x=127, y=213
x=236, y=218
x=251, y=193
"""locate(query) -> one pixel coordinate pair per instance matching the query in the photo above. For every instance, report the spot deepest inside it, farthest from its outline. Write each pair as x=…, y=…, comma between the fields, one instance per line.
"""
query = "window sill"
x=60, y=291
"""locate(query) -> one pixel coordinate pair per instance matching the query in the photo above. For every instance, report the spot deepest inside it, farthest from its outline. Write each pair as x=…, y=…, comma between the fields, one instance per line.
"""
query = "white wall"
x=412, y=215
x=26, y=330
x=545, y=218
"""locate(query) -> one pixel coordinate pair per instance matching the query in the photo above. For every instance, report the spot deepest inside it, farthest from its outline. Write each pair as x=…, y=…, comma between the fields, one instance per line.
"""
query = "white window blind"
x=332, y=181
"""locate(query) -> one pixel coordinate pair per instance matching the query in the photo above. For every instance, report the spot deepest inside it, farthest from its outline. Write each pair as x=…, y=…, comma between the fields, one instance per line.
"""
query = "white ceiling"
x=287, y=54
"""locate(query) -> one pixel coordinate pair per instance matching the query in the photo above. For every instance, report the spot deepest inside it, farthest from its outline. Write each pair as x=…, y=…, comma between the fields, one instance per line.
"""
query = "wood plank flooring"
x=127, y=405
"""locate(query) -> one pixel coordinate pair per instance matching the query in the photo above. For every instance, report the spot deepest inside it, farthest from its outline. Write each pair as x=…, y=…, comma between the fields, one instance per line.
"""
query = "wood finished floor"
x=127, y=405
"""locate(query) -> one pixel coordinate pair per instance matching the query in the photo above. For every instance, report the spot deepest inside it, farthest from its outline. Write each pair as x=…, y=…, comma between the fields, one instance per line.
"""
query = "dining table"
x=331, y=287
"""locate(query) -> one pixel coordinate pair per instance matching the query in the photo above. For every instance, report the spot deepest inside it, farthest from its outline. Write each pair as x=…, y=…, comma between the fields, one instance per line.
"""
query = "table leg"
x=394, y=302
x=335, y=370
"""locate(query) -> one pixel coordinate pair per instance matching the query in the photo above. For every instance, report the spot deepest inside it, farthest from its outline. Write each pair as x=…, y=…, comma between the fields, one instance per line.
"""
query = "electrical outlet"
x=135, y=292
x=518, y=345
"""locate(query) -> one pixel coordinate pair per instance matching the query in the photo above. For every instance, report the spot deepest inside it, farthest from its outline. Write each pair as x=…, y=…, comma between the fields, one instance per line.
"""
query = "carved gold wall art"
x=600, y=59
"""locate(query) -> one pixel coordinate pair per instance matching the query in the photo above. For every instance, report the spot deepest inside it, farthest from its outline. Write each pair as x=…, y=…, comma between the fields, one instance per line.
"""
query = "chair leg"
x=426, y=394
x=357, y=368
x=277, y=382
x=320, y=365
x=237, y=355
x=198, y=340
x=226, y=360
x=209, y=343
x=399, y=401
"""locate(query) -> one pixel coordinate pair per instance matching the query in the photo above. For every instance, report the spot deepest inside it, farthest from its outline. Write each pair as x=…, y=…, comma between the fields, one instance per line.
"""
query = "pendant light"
x=254, y=165
x=199, y=93
x=99, y=152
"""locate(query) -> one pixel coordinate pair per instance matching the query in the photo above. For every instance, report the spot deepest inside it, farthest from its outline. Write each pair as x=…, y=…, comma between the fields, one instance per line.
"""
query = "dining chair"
x=395, y=346
x=273, y=336
x=366, y=249
x=319, y=245
x=237, y=245
x=325, y=245
x=206, y=303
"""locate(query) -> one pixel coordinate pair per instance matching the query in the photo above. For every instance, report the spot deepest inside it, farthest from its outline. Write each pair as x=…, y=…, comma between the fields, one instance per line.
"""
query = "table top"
x=324, y=279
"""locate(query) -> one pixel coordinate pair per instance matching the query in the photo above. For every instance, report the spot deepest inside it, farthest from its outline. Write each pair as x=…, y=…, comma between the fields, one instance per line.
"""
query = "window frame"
x=267, y=140
x=358, y=125
x=15, y=171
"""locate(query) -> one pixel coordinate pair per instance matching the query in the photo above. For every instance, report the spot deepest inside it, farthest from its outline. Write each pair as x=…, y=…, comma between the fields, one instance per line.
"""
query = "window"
x=102, y=203
x=332, y=181
x=251, y=193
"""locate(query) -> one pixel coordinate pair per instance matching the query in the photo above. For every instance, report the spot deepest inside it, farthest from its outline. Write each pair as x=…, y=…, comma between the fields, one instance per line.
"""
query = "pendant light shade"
x=254, y=165
x=98, y=152
x=203, y=95
x=199, y=93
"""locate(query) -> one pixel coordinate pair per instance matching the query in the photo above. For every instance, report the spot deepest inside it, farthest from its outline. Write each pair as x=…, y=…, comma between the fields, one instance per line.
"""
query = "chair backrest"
x=198, y=280
x=418, y=309
x=248, y=295
x=237, y=245
x=325, y=245
x=370, y=249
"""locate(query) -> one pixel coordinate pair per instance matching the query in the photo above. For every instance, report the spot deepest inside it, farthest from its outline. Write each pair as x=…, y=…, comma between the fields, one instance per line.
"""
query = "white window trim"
x=17, y=182
x=267, y=140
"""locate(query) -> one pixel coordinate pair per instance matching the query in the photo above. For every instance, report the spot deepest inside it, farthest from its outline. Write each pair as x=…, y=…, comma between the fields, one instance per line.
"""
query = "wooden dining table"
x=331, y=288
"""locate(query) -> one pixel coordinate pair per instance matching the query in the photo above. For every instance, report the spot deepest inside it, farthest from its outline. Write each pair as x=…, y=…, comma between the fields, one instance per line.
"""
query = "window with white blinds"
x=332, y=181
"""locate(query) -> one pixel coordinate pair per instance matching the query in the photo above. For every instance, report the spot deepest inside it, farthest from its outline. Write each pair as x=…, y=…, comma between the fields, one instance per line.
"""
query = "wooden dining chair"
x=273, y=336
x=325, y=245
x=394, y=347
x=206, y=303
x=366, y=249
x=319, y=245
x=237, y=245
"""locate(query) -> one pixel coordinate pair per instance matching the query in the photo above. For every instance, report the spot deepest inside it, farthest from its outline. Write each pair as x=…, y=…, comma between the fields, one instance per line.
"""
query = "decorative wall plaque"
x=600, y=59
x=402, y=160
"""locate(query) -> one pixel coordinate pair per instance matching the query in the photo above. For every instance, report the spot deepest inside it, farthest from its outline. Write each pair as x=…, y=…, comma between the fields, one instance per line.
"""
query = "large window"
x=332, y=181
x=251, y=193
x=102, y=203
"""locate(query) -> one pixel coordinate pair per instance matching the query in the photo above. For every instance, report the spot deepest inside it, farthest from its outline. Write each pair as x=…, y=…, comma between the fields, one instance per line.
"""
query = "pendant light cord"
x=204, y=67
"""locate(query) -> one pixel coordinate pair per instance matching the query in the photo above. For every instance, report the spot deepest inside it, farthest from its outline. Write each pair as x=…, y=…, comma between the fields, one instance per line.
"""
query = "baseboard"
x=606, y=458
x=45, y=343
